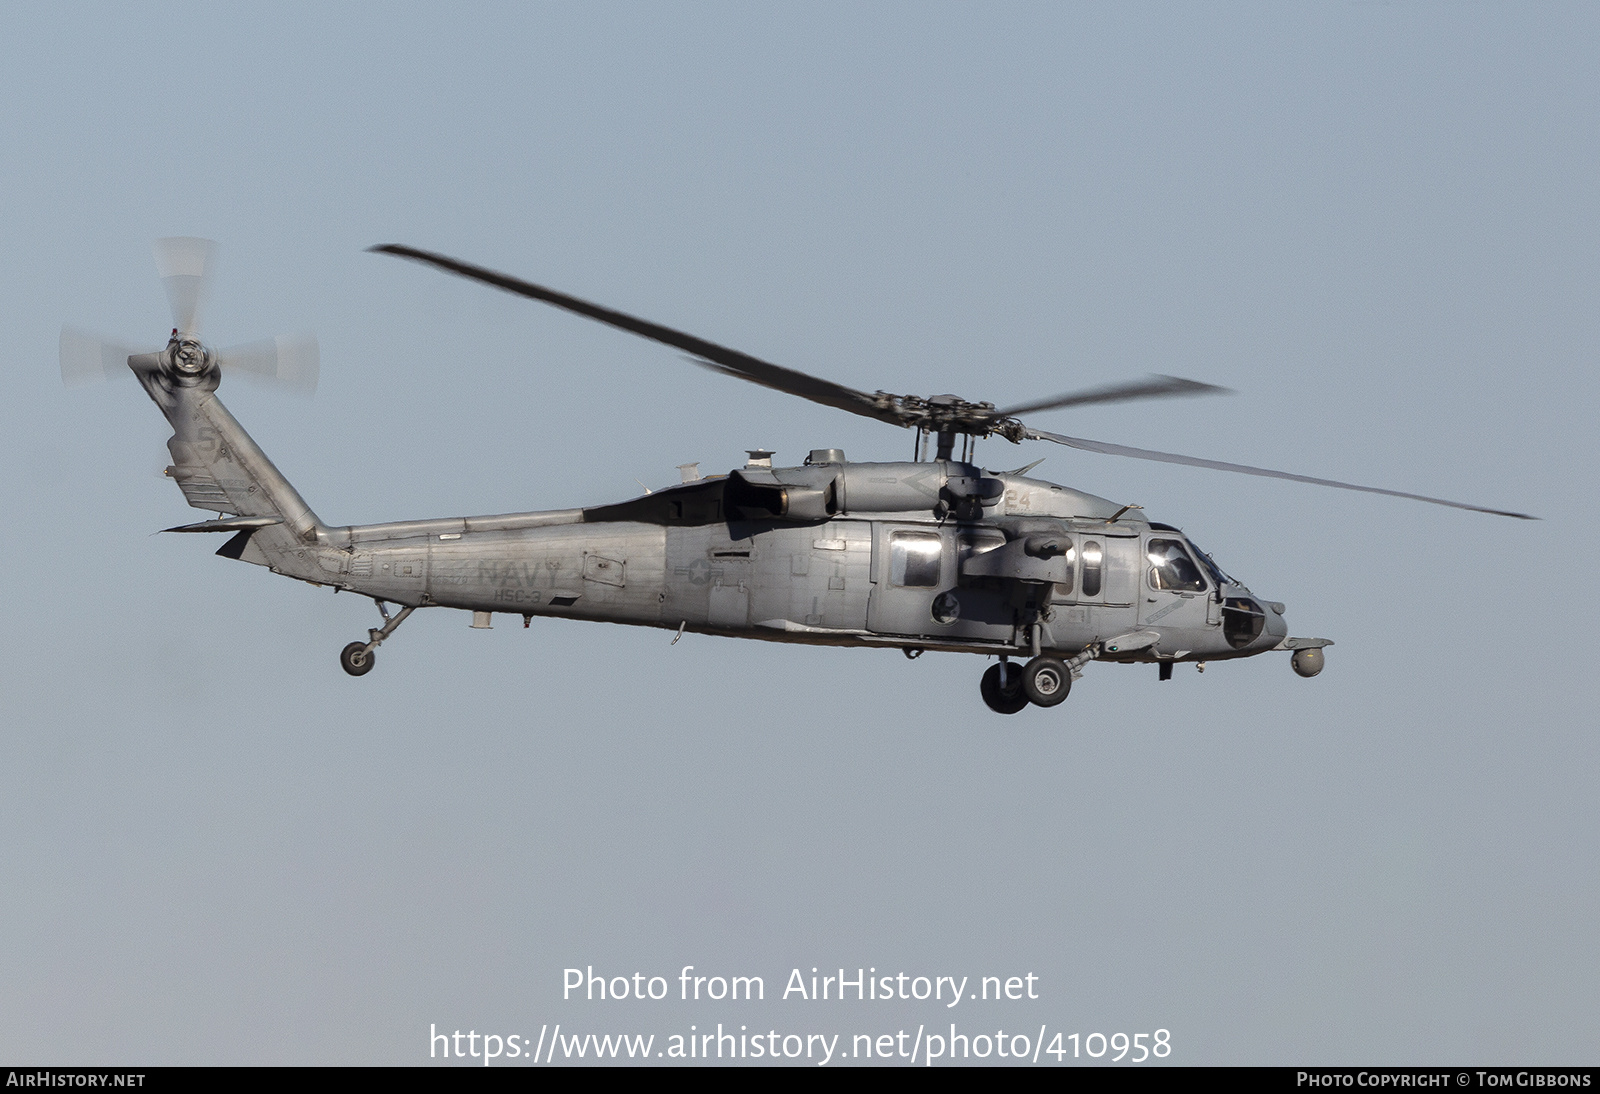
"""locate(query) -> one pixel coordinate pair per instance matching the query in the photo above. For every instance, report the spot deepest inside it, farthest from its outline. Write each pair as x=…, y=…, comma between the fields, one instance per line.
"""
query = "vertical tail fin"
x=219, y=467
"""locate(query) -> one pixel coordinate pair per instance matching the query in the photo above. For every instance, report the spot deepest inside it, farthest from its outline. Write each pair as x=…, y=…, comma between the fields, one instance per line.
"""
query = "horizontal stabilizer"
x=228, y=524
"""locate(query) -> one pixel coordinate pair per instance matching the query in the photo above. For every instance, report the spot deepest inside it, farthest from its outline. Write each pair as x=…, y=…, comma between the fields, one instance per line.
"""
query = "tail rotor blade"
x=292, y=360
x=89, y=359
x=186, y=265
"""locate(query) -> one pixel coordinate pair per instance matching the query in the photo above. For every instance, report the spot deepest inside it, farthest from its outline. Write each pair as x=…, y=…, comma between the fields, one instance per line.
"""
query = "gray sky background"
x=1377, y=222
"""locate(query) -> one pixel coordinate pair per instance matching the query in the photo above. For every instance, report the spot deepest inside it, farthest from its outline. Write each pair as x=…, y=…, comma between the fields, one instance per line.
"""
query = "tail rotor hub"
x=189, y=357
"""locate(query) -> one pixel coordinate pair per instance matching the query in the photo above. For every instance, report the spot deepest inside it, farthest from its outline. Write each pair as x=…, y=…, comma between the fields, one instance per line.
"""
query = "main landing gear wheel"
x=356, y=659
x=1046, y=681
x=1001, y=687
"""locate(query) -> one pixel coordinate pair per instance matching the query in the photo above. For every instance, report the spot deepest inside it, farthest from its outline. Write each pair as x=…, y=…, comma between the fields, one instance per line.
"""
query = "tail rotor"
x=187, y=266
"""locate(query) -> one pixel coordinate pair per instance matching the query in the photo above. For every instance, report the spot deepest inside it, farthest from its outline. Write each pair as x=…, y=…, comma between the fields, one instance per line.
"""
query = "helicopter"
x=935, y=553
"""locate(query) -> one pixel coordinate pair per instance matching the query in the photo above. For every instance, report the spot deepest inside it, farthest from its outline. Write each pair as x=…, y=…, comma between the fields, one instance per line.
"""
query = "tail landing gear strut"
x=357, y=657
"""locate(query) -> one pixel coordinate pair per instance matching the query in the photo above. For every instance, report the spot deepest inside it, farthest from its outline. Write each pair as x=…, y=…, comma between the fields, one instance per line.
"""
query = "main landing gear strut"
x=357, y=657
x=1044, y=681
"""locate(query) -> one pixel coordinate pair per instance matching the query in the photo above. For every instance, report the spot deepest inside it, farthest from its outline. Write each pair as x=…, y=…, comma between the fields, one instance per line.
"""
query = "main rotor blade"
x=1218, y=465
x=1156, y=387
x=89, y=359
x=292, y=360
x=721, y=358
x=185, y=264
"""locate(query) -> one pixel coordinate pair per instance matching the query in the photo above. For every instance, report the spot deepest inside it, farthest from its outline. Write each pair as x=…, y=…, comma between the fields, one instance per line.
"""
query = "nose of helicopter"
x=1276, y=626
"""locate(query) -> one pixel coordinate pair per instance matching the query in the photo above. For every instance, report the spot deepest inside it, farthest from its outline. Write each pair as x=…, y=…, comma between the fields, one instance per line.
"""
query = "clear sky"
x=1375, y=221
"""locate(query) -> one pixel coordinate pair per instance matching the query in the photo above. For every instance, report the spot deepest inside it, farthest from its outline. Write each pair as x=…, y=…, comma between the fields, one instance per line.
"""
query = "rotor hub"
x=944, y=414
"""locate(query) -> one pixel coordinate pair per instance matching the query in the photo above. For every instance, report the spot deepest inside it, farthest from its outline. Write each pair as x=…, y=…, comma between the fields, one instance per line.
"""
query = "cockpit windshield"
x=1211, y=566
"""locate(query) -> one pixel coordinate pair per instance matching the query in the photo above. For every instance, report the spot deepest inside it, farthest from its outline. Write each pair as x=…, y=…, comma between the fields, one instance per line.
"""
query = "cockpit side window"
x=1171, y=567
x=914, y=559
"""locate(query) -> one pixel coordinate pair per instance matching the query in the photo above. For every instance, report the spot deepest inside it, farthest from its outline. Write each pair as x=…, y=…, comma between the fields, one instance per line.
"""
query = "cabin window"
x=914, y=559
x=1070, y=559
x=1172, y=568
x=1093, y=567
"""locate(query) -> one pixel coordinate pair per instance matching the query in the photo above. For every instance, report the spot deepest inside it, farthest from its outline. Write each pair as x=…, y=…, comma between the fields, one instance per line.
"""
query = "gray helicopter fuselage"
x=939, y=555
x=840, y=581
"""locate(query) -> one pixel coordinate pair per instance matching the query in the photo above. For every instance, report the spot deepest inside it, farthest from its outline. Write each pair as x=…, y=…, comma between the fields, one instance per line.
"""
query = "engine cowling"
x=817, y=492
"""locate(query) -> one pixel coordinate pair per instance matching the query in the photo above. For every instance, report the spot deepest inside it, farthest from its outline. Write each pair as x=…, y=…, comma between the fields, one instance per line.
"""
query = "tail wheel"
x=1046, y=681
x=1001, y=687
x=356, y=659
